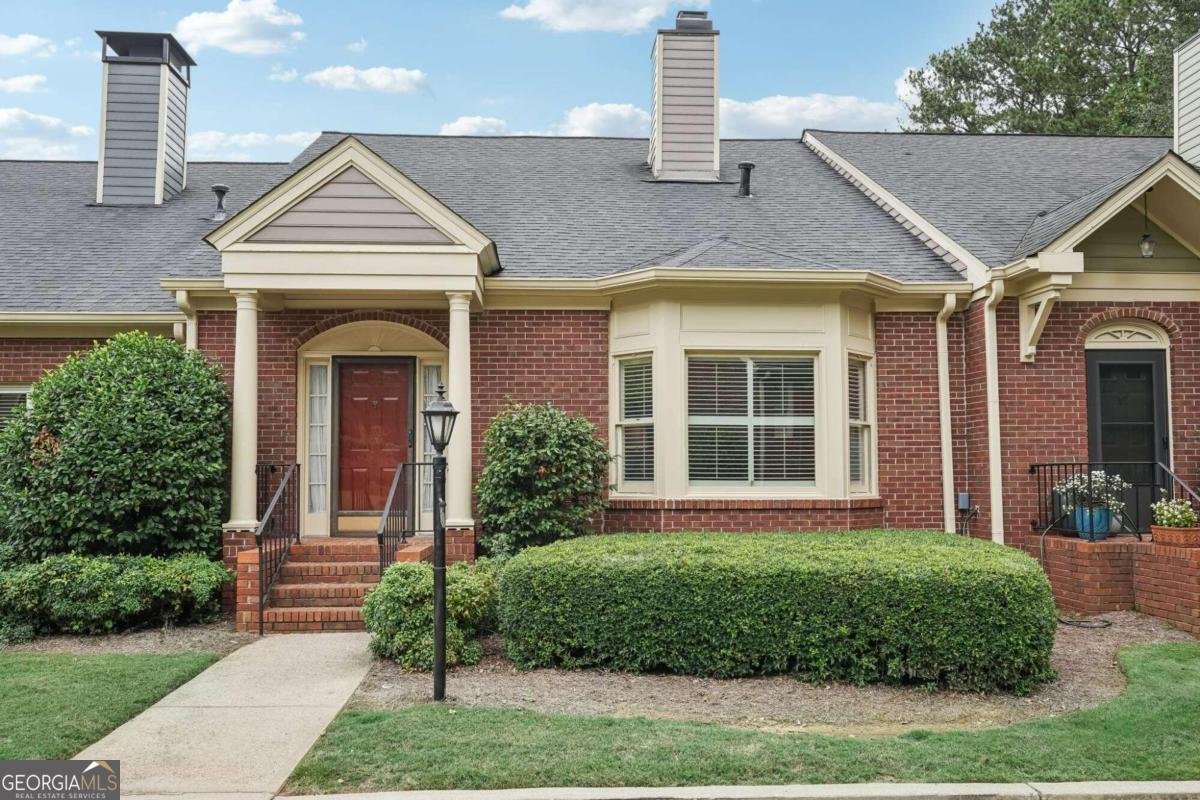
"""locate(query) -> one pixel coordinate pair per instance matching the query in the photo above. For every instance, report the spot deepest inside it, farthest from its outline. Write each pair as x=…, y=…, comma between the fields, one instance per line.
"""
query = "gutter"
x=949, y=304
x=992, y=368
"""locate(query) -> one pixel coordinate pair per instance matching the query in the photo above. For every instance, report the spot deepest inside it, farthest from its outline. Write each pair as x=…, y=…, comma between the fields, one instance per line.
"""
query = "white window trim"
x=620, y=424
x=750, y=421
x=870, y=453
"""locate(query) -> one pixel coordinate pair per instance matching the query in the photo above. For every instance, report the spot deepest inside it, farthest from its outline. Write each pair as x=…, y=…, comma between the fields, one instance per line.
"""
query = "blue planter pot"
x=1092, y=523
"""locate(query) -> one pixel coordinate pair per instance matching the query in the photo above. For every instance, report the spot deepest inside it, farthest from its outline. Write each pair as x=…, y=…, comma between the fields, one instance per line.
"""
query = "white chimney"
x=685, y=126
x=143, y=118
x=1187, y=100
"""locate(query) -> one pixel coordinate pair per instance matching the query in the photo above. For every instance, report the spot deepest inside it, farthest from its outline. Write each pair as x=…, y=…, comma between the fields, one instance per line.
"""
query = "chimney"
x=684, y=127
x=143, y=118
x=1187, y=100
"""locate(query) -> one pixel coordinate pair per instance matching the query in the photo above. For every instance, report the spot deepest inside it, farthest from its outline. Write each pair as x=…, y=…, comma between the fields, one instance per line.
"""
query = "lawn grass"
x=1152, y=731
x=52, y=705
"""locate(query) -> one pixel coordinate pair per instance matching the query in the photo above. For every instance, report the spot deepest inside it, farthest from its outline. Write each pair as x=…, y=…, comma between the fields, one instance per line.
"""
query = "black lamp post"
x=439, y=424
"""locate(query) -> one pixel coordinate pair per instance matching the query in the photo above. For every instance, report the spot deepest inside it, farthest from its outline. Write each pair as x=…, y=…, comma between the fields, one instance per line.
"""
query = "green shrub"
x=399, y=613
x=89, y=595
x=544, y=476
x=871, y=606
x=121, y=452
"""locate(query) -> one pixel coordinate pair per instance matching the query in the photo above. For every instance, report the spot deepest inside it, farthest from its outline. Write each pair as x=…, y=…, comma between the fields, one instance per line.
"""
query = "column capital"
x=246, y=298
x=459, y=300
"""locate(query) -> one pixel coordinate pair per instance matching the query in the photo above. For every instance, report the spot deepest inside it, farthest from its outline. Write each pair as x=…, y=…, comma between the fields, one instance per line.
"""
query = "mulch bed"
x=1086, y=660
x=215, y=637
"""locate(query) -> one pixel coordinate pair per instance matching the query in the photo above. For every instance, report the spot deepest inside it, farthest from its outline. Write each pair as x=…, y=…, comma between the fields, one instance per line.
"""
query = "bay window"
x=751, y=421
x=858, y=415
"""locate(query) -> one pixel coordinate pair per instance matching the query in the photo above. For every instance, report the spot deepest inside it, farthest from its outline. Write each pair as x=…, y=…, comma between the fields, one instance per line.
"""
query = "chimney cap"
x=147, y=48
x=691, y=22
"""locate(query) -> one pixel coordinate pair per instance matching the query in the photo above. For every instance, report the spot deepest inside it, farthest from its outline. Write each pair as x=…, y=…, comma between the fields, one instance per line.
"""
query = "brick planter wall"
x=741, y=515
x=1122, y=573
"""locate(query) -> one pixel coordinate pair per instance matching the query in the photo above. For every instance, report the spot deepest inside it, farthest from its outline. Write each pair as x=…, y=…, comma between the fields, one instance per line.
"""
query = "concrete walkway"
x=240, y=727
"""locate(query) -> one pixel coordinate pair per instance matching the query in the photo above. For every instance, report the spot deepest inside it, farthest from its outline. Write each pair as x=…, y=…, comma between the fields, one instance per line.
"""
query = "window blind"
x=10, y=401
x=751, y=420
x=636, y=426
x=856, y=412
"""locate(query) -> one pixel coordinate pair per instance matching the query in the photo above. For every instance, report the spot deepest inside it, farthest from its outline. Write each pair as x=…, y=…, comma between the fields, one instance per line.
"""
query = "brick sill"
x=746, y=504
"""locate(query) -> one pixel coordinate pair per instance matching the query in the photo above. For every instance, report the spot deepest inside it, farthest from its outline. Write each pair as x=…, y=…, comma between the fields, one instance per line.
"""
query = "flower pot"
x=1177, y=537
x=1092, y=523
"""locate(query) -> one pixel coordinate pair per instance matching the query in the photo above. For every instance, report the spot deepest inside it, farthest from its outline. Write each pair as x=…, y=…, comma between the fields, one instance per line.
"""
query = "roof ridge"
x=996, y=134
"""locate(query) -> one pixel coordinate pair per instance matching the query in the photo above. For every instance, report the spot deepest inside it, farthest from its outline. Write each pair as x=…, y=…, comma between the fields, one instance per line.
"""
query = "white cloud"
x=25, y=44
x=22, y=83
x=238, y=146
x=282, y=75
x=784, y=117
x=25, y=134
x=475, y=126
x=357, y=47
x=905, y=93
x=611, y=16
x=604, y=119
x=248, y=27
x=396, y=80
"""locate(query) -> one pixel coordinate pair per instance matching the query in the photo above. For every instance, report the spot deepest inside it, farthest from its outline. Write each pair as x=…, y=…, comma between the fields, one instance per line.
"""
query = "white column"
x=242, y=512
x=945, y=421
x=992, y=391
x=458, y=392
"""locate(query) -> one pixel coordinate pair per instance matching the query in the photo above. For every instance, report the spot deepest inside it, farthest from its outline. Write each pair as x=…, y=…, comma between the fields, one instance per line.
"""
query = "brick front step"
x=313, y=618
x=290, y=595
x=334, y=572
x=334, y=550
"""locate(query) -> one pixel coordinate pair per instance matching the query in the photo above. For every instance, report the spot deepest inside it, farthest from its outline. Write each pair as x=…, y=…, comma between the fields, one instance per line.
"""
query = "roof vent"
x=744, y=187
x=220, y=190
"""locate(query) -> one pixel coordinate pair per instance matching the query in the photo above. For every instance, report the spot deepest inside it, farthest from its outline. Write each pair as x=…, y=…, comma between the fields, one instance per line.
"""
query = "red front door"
x=374, y=420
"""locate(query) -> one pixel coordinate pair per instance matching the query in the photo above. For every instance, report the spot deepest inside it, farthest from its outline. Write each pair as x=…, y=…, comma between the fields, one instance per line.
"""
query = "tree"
x=1058, y=66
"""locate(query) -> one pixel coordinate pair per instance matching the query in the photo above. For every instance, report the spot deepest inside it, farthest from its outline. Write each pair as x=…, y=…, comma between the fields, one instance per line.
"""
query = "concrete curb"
x=1089, y=790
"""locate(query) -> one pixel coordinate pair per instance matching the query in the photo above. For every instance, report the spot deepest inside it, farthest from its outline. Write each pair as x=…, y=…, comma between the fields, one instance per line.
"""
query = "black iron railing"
x=1091, y=499
x=278, y=525
x=405, y=511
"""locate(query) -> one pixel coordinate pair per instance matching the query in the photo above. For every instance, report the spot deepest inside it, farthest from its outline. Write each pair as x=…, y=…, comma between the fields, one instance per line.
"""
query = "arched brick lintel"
x=400, y=318
x=1144, y=314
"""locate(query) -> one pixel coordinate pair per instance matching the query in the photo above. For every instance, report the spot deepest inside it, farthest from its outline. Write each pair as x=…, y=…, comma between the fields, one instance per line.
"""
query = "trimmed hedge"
x=399, y=612
x=866, y=606
x=78, y=594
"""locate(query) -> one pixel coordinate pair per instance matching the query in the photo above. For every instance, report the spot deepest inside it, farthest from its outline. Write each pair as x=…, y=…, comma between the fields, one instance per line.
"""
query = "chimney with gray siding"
x=684, y=127
x=143, y=118
x=1187, y=100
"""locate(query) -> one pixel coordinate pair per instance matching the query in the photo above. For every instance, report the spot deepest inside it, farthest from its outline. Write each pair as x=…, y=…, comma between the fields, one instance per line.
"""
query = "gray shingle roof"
x=586, y=207
x=986, y=191
x=60, y=253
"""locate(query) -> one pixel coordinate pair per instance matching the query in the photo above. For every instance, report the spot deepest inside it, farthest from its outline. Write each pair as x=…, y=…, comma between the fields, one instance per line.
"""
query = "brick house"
x=843, y=331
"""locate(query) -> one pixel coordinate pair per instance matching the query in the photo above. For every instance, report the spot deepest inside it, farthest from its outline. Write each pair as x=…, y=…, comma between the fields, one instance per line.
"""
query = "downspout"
x=992, y=367
x=943, y=360
x=184, y=302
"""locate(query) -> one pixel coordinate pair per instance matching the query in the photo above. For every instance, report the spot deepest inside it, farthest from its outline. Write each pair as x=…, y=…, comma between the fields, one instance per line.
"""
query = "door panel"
x=1127, y=422
x=374, y=425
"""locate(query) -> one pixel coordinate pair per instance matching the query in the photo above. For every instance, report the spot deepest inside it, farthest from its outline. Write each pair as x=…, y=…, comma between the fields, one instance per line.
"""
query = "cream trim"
x=976, y=270
x=103, y=129
x=1169, y=166
x=184, y=301
x=992, y=367
x=161, y=155
x=1034, y=311
x=348, y=152
x=945, y=420
x=243, y=480
x=1128, y=334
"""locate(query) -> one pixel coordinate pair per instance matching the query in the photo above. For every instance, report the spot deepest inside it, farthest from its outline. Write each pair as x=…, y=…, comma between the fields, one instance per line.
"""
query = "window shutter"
x=10, y=402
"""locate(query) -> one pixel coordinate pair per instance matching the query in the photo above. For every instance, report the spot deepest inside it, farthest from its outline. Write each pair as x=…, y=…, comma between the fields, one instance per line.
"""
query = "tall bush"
x=868, y=606
x=544, y=476
x=123, y=450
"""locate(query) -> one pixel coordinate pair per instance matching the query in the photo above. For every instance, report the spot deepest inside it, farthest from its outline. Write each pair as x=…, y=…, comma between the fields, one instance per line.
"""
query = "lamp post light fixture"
x=439, y=425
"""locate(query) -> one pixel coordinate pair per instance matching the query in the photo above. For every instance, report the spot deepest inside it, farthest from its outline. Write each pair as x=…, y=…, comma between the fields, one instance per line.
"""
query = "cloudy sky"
x=272, y=73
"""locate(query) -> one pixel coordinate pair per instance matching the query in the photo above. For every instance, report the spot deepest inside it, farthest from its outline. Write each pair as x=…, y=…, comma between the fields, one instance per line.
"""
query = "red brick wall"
x=741, y=516
x=27, y=360
x=909, y=423
x=1088, y=577
x=1167, y=584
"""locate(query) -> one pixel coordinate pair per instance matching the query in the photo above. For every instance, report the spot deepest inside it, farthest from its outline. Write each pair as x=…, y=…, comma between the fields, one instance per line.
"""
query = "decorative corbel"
x=1034, y=312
